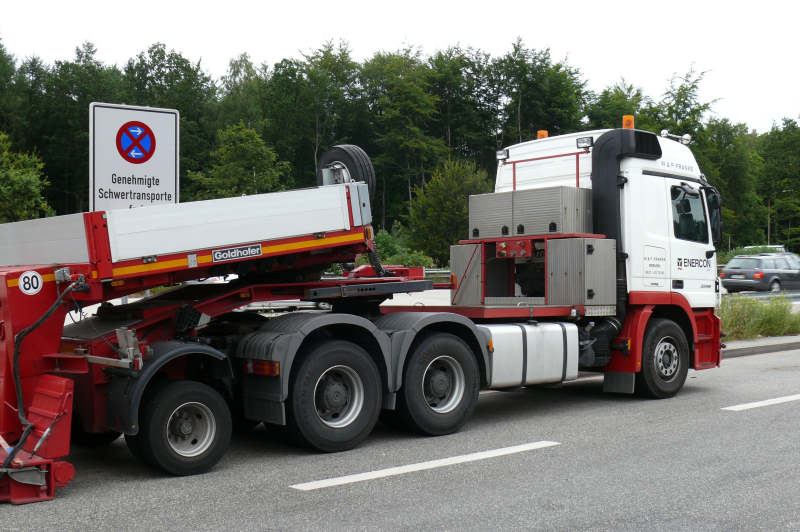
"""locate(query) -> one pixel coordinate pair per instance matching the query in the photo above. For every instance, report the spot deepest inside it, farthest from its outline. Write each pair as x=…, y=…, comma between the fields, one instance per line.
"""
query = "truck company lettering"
x=693, y=263
x=677, y=166
x=241, y=252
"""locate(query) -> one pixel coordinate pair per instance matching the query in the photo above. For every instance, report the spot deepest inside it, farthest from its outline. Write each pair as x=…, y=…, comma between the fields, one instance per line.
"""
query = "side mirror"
x=714, y=205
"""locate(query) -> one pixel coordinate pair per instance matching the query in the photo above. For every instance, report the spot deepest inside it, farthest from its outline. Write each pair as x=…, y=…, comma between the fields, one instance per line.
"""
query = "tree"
x=539, y=94
x=726, y=153
x=438, y=215
x=680, y=110
x=21, y=185
x=468, y=103
x=607, y=109
x=779, y=185
x=396, y=92
x=158, y=78
x=241, y=164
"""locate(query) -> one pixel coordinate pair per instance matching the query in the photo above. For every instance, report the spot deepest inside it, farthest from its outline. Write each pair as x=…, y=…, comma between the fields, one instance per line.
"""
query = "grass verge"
x=744, y=318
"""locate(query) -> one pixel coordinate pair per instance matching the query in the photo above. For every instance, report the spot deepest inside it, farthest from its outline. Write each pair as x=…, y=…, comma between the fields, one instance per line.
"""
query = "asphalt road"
x=621, y=463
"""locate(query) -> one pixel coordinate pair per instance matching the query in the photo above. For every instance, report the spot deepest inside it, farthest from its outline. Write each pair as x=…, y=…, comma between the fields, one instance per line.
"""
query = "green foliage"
x=540, y=94
x=392, y=249
x=21, y=185
x=396, y=92
x=241, y=164
x=723, y=257
x=727, y=154
x=438, y=215
x=410, y=112
x=607, y=109
x=744, y=317
x=780, y=180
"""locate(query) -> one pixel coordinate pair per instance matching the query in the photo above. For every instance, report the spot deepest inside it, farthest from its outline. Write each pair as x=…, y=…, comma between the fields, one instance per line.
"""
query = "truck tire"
x=440, y=386
x=185, y=428
x=356, y=161
x=665, y=360
x=334, y=396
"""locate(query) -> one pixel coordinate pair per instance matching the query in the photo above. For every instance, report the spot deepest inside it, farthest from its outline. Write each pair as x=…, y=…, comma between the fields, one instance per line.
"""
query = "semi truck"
x=594, y=253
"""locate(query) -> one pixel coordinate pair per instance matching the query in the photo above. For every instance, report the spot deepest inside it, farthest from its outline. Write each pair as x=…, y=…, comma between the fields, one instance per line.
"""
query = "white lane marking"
x=421, y=466
x=768, y=402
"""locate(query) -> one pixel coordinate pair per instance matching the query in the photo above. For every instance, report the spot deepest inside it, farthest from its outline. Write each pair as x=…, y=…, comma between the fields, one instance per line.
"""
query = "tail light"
x=758, y=275
x=722, y=274
x=267, y=368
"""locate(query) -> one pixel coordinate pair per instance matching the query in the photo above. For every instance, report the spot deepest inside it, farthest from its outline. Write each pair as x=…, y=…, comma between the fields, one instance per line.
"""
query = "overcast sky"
x=748, y=48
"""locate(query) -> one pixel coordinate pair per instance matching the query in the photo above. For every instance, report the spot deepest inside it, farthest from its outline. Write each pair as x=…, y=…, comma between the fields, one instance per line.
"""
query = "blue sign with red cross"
x=136, y=142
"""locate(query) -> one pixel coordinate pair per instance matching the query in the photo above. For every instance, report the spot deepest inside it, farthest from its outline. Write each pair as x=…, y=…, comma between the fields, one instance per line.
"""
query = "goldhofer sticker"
x=239, y=252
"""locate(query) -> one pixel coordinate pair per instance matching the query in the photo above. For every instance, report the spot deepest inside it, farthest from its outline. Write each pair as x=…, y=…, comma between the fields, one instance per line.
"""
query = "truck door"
x=693, y=266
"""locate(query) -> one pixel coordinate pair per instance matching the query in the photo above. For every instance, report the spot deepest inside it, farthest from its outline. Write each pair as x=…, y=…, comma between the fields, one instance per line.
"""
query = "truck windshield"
x=689, y=216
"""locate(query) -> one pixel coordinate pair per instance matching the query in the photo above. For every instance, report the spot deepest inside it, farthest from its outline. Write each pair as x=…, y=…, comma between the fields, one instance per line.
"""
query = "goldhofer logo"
x=241, y=252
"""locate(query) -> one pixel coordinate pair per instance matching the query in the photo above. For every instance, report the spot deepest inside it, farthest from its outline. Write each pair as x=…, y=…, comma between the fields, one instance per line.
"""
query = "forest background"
x=431, y=125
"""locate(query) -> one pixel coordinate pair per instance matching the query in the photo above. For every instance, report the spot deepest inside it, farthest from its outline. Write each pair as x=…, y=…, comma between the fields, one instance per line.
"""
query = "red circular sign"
x=136, y=142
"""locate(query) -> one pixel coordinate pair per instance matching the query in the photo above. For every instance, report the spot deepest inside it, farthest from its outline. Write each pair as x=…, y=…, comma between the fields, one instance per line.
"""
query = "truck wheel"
x=356, y=160
x=440, y=386
x=185, y=428
x=334, y=397
x=665, y=360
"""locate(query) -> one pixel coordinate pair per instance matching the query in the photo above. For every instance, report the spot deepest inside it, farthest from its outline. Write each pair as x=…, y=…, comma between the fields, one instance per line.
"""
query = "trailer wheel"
x=334, y=397
x=185, y=428
x=665, y=360
x=354, y=159
x=440, y=386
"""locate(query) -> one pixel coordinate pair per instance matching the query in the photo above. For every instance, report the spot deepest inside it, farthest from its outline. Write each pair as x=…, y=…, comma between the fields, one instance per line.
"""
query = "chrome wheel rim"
x=338, y=396
x=190, y=429
x=667, y=358
x=443, y=384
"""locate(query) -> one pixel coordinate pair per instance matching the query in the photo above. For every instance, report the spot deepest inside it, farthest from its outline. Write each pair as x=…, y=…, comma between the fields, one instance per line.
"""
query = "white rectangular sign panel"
x=133, y=156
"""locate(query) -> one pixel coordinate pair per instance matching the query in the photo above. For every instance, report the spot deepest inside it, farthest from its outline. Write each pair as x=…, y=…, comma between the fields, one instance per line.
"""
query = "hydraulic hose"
x=27, y=425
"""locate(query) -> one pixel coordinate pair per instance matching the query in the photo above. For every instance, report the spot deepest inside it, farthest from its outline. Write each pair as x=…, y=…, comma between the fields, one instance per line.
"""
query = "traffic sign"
x=133, y=156
x=136, y=142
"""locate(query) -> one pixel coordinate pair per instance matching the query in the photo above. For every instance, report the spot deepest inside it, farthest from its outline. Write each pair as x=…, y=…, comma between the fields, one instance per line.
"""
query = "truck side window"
x=689, y=216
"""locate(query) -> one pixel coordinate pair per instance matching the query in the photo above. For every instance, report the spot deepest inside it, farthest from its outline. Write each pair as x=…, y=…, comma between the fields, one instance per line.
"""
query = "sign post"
x=133, y=156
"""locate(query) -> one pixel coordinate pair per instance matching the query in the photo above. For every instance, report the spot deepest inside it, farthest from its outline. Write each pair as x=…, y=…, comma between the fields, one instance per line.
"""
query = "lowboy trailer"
x=608, y=269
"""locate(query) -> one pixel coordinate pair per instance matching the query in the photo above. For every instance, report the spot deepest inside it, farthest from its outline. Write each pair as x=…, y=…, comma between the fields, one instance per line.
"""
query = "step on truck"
x=594, y=253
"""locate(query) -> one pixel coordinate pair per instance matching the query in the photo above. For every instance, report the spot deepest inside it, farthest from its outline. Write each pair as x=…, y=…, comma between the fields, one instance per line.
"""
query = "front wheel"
x=185, y=428
x=440, y=386
x=335, y=396
x=665, y=360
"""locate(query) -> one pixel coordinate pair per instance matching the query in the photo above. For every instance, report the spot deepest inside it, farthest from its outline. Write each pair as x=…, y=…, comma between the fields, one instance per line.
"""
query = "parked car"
x=765, y=271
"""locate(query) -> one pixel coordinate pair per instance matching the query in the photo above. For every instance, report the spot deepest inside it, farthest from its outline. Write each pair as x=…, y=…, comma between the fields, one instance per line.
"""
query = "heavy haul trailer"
x=174, y=372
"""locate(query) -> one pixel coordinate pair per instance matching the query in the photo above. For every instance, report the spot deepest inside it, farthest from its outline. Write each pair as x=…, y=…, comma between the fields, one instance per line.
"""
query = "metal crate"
x=465, y=264
x=490, y=215
x=581, y=271
x=541, y=211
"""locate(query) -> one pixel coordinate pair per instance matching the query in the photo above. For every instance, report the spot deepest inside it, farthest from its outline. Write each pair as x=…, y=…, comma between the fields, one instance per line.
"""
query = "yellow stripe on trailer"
x=265, y=250
x=46, y=278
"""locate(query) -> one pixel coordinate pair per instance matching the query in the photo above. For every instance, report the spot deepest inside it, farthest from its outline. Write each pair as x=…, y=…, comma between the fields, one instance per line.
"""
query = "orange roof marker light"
x=541, y=134
x=627, y=122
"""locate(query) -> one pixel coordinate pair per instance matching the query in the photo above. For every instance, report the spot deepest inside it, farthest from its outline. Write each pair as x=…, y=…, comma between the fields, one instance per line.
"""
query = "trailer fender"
x=404, y=327
x=280, y=340
x=126, y=387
